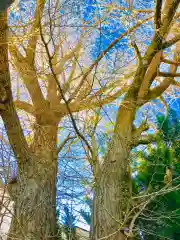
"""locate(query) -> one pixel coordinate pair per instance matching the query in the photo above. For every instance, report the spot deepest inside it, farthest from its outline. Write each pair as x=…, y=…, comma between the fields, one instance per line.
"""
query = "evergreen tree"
x=69, y=221
x=157, y=167
x=86, y=215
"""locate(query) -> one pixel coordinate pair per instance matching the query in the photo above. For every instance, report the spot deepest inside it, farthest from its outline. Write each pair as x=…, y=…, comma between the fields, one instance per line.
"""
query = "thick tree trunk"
x=112, y=195
x=34, y=194
x=34, y=209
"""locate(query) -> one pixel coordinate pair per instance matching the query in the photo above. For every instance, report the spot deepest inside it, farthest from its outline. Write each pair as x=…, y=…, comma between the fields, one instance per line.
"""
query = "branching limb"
x=61, y=146
x=169, y=79
x=138, y=138
x=157, y=46
x=168, y=74
x=137, y=51
x=170, y=62
x=83, y=89
x=15, y=54
x=24, y=106
x=150, y=75
x=62, y=94
x=51, y=87
x=138, y=131
x=157, y=91
x=59, y=67
x=72, y=73
x=29, y=76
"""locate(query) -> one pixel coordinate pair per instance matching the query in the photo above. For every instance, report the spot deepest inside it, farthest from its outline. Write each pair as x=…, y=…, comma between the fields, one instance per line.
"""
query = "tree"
x=58, y=87
x=87, y=214
x=161, y=217
x=113, y=192
x=69, y=224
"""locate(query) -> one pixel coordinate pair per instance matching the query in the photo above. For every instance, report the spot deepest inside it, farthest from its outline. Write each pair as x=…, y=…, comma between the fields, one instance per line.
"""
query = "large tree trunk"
x=112, y=195
x=34, y=194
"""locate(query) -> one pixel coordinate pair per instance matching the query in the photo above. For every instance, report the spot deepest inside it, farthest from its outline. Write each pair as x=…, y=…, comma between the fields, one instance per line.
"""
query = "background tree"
x=161, y=217
x=69, y=224
x=87, y=214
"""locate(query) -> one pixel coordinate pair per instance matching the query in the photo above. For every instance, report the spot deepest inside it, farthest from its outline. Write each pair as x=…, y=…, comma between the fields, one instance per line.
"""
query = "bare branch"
x=30, y=50
x=150, y=75
x=157, y=16
x=59, y=68
x=171, y=42
x=141, y=209
x=168, y=74
x=170, y=62
x=137, y=51
x=161, y=99
x=61, y=146
x=94, y=101
x=24, y=106
x=157, y=91
x=101, y=55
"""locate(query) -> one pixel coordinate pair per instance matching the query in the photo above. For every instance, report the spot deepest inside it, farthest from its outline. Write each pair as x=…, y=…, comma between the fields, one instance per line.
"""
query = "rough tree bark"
x=35, y=192
x=113, y=183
